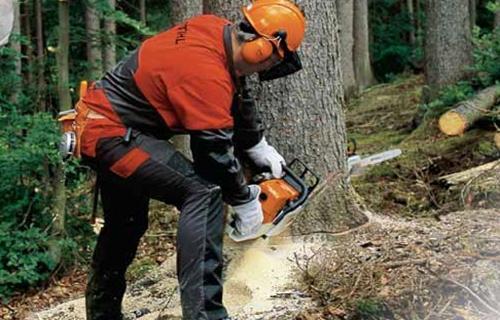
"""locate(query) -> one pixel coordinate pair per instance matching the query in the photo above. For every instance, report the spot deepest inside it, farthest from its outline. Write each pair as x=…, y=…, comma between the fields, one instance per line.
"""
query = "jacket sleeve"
x=214, y=160
x=248, y=128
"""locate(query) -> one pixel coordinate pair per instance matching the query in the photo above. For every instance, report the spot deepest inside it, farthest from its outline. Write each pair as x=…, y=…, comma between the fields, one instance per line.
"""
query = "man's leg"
x=168, y=176
x=126, y=220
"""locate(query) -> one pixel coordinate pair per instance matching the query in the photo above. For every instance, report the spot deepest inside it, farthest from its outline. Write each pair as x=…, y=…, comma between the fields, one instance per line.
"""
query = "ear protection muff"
x=257, y=50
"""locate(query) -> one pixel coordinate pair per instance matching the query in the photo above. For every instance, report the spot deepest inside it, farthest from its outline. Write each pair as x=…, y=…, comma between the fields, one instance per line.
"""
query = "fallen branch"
x=464, y=176
x=397, y=264
x=465, y=113
x=472, y=293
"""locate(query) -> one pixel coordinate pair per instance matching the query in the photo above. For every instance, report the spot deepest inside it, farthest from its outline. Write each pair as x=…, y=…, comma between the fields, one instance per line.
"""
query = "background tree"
x=59, y=178
x=40, y=58
x=94, y=48
x=109, y=54
x=361, y=54
x=346, y=26
x=15, y=44
x=305, y=123
x=446, y=57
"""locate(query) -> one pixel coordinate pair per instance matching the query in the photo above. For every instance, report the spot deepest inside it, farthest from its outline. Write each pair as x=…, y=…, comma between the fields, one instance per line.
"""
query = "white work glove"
x=263, y=155
x=249, y=216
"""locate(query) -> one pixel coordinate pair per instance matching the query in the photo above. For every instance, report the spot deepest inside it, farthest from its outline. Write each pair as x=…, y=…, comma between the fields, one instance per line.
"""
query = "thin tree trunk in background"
x=346, y=24
x=418, y=22
x=40, y=58
x=180, y=11
x=497, y=19
x=94, y=53
x=362, y=63
x=472, y=13
x=448, y=46
x=29, y=47
x=142, y=12
x=59, y=179
x=411, y=16
x=15, y=44
x=110, y=34
x=304, y=115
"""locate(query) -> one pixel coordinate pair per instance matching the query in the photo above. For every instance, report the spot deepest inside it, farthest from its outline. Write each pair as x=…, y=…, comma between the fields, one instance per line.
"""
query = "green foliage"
x=370, y=309
x=448, y=97
x=391, y=50
x=486, y=57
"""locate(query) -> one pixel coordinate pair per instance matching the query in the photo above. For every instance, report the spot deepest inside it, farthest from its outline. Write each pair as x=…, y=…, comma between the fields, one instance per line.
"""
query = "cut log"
x=465, y=113
x=464, y=176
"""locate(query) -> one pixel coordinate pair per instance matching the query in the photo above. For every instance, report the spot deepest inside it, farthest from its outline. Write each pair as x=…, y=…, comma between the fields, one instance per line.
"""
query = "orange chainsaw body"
x=275, y=194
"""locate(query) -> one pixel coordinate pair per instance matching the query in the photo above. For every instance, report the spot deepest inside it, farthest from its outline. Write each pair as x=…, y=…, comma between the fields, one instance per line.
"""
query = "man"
x=187, y=80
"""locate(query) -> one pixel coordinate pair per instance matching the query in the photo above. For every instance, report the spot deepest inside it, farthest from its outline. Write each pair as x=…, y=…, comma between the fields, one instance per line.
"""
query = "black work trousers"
x=130, y=173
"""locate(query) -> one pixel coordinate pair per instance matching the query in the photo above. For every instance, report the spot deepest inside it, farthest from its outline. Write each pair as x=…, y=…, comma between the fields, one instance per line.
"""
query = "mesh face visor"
x=290, y=64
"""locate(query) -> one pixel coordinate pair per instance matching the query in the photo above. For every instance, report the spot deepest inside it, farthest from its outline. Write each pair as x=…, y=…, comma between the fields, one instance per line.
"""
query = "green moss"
x=140, y=268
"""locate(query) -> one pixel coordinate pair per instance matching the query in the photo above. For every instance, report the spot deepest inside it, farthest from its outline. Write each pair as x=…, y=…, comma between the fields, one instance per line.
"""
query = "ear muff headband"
x=257, y=51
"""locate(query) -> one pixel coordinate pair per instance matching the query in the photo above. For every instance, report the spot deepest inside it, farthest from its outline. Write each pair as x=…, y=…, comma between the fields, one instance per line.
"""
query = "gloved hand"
x=263, y=155
x=249, y=215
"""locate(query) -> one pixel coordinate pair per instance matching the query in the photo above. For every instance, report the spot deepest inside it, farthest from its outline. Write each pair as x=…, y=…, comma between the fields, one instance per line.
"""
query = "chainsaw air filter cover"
x=275, y=194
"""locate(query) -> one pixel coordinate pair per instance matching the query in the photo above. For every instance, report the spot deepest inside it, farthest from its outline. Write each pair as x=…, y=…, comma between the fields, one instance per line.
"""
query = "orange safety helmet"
x=274, y=21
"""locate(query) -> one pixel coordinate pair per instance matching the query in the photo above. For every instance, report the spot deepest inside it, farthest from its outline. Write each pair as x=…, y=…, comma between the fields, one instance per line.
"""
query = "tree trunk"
x=448, y=47
x=465, y=113
x=305, y=119
x=15, y=44
x=183, y=9
x=180, y=11
x=472, y=13
x=411, y=15
x=59, y=179
x=362, y=63
x=142, y=12
x=29, y=47
x=346, y=24
x=40, y=58
x=94, y=53
x=109, y=42
x=497, y=19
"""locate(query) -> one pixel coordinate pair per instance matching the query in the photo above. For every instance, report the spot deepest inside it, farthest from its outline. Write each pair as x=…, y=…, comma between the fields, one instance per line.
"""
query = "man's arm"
x=214, y=160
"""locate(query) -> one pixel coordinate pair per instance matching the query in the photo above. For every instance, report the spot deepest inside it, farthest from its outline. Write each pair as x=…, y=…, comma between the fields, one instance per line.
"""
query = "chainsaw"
x=281, y=199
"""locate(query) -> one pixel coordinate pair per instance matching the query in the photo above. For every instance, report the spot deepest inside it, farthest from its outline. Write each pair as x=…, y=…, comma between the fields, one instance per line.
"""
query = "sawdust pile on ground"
x=421, y=269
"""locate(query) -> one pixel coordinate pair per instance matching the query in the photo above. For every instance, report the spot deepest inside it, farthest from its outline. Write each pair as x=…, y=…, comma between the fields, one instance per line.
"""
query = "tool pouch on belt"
x=72, y=124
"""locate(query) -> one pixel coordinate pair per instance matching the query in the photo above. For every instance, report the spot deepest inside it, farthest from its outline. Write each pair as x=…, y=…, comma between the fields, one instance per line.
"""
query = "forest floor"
x=429, y=250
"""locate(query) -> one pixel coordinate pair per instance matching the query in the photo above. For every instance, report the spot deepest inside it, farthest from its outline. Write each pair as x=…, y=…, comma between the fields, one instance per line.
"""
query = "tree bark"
x=465, y=113
x=29, y=47
x=59, y=179
x=346, y=24
x=305, y=119
x=448, y=47
x=15, y=44
x=109, y=40
x=362, y=63
x=472, y=13
x=411, y=15
x=94, y=53
x=180, y=11
x=142, y=12
x=40, y=58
